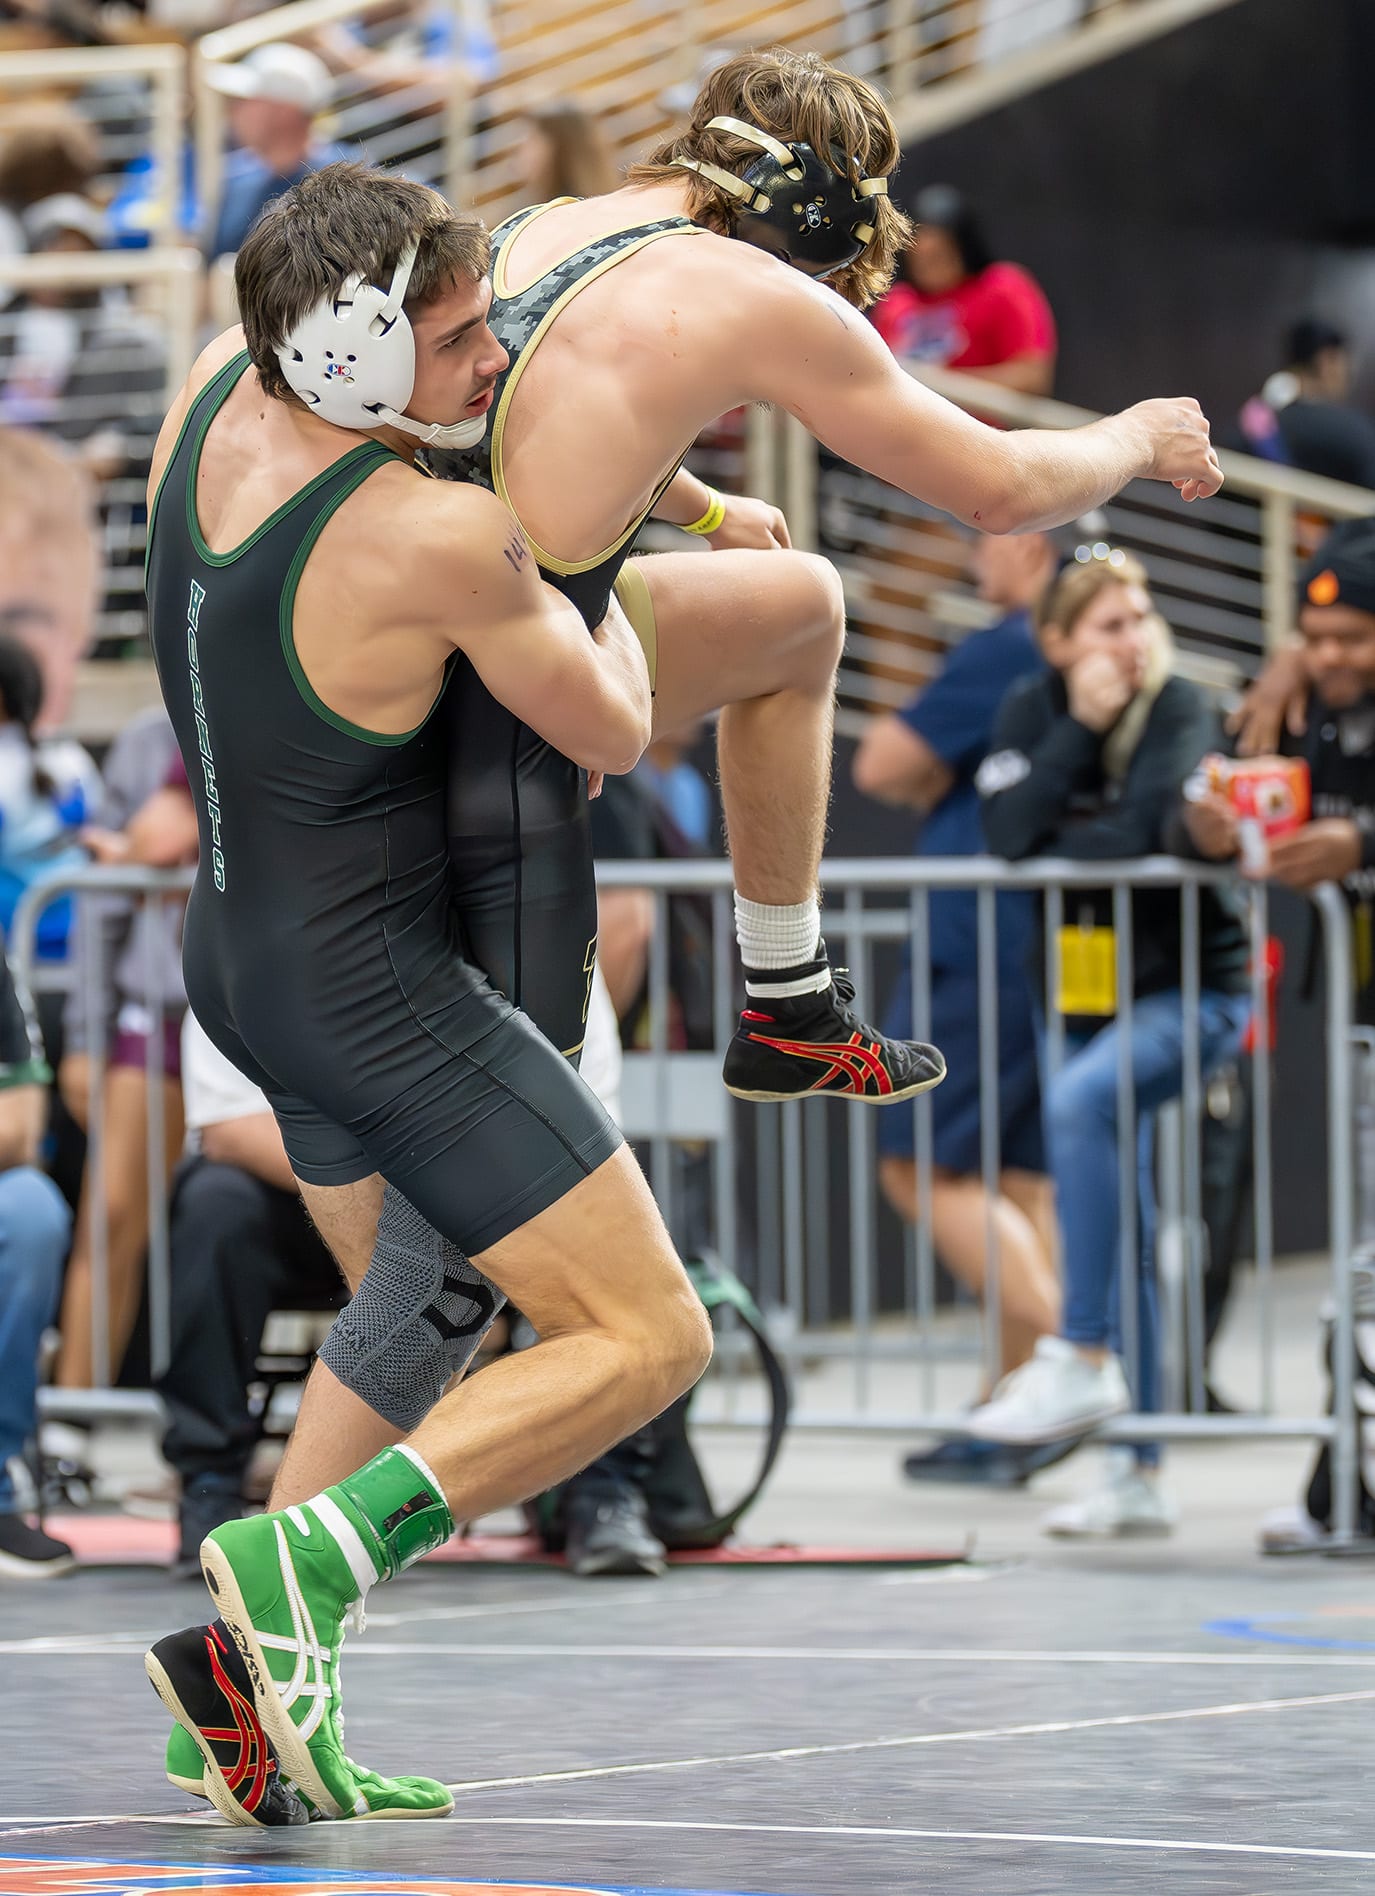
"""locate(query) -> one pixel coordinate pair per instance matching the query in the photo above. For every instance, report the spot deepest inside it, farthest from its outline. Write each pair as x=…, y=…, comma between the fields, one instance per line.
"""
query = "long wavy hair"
x=798, y=97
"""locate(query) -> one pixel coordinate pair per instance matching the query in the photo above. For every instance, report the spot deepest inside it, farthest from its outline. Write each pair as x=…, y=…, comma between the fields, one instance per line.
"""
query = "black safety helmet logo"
x=794, y=204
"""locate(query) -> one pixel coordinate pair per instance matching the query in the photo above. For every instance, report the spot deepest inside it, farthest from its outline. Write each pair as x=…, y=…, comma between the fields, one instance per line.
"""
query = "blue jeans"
x=1081, y=1128
x=35, y=1229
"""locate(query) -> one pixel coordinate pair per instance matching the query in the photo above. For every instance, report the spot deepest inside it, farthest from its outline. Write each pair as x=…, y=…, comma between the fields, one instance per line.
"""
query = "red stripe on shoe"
x=252, y=1760
x=851, y=1060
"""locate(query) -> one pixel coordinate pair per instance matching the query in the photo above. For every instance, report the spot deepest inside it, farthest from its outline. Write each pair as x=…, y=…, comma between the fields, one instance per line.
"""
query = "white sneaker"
x=1127, y=1503
x=1291, y=1530
x=1057, y=1394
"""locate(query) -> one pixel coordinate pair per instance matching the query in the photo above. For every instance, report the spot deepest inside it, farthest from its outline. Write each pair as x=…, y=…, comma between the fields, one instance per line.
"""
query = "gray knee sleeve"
x=418, y=1317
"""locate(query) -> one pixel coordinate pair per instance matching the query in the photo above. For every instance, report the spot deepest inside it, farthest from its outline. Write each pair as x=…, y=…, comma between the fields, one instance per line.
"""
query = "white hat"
x=287, y=74
x=64, y=211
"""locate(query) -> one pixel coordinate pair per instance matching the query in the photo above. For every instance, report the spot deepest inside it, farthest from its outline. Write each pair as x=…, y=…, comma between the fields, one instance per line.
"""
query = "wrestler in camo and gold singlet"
x=517, y=817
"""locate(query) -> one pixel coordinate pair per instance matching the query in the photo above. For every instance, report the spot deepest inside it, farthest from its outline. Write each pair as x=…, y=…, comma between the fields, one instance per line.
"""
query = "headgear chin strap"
x=351, y=359
x=794, y=203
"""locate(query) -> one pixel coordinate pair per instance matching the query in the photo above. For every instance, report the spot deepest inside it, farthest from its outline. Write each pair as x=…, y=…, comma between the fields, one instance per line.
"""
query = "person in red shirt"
x=953, y=305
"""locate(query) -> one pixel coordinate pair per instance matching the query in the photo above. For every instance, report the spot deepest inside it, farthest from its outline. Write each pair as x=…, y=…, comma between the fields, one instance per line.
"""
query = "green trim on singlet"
x=370, y=449
x=229, y=375
x=377, y=456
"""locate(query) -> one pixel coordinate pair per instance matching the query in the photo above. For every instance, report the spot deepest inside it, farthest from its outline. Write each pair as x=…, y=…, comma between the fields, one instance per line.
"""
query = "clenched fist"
x=1098, y=690
x=1178, y=446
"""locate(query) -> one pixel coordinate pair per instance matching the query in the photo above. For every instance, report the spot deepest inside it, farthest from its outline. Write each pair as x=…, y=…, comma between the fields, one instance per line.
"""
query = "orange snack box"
x=1272, y=796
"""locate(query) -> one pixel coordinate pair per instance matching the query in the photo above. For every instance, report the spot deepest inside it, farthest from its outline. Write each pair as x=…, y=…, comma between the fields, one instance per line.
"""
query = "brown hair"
x=45, y=149
x=798, y=97
x=1068, y=597
x=581, y=161
x=346, y=218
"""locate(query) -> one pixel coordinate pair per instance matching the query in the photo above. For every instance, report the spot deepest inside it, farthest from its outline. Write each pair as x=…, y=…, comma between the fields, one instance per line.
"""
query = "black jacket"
x=1045, y=793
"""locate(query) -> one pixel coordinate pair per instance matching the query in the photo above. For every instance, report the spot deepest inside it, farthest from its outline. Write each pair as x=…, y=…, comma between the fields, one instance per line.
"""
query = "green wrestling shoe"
x=183, y=1765
x=285, y=1585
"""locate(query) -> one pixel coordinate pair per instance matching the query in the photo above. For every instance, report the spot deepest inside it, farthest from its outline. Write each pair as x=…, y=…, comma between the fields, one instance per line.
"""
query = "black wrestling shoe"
x=202, y=1680
x=790, y=1046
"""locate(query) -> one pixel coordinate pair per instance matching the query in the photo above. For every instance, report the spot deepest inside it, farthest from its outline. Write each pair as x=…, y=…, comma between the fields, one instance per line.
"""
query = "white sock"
x=780, y=935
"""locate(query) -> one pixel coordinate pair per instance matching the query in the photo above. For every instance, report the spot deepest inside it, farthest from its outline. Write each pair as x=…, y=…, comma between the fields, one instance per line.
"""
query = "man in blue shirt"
x=277, y=93
x=926, y=757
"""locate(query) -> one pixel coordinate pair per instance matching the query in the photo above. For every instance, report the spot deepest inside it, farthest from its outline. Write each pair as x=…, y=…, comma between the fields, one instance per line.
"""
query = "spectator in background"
x=565, y=152
x=35, y=1225
x=926, y=756
x=134, y=947
x=1336, y=615
x=1088, y=762
x=955, y=306
x=1303, y=416
x=420, y=47
x=45, y=148
x=278, y=91
x=241, y=1247
x=81, y=363
x=46, y=789
x=49, y=563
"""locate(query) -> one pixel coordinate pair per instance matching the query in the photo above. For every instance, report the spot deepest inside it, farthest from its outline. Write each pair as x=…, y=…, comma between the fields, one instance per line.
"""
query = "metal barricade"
x=786, y=1194
x=802, y=1228
x=89, y=964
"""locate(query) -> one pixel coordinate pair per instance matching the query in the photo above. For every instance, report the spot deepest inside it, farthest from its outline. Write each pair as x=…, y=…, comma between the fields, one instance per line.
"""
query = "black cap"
x=1307, y=340
x=1342, y=571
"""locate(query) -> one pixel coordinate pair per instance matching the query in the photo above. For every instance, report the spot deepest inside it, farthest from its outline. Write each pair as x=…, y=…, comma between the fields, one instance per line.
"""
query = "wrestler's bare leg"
x=335, y=1430
x=757, y=636
x=597, y=1277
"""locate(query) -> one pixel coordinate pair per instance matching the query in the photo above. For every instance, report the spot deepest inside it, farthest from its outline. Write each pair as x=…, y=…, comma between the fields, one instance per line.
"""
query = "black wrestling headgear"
x=794, y=203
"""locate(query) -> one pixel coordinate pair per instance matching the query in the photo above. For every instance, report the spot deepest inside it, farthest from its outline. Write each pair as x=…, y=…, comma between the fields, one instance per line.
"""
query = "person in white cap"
x=277, y=92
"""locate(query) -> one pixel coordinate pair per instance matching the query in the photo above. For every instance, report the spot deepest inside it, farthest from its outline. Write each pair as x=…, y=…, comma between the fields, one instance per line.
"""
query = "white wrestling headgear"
x=351, y=359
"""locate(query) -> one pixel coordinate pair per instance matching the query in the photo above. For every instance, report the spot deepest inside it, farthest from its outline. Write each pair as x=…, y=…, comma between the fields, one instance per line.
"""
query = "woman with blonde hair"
x=1089, y=761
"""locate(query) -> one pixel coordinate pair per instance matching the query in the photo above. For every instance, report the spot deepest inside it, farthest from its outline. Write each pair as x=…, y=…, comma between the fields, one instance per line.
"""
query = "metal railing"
x=802, y=1227
x=132, y=97
x=1223, y=571
x=88, y=966
x=786, y=1195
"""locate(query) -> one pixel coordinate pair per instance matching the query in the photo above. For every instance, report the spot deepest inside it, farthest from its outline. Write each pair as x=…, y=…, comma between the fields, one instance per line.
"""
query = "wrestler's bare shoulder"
x=450, y=541
x=715, y=293
x=206, y=367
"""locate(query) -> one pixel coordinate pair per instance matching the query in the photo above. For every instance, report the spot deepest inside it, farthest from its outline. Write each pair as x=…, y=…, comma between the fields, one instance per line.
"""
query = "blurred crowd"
x=1061, y=727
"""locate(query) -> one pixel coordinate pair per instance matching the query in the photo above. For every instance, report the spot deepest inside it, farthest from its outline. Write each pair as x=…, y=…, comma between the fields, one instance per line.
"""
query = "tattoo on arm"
x=516, y=551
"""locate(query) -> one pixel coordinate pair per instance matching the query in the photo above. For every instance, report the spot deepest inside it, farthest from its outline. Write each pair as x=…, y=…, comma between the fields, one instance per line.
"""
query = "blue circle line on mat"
x=1262, y=1628
x=28, y=1874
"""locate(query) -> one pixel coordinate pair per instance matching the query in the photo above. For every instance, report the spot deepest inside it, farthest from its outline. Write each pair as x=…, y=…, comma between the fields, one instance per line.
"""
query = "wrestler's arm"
x=587, y=696
x=815, y=356
x=747, y=522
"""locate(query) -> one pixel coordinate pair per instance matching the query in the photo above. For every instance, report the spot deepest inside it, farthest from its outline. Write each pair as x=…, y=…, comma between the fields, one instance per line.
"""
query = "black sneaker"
x=201, y=1678
x=792, y=1046
x=988, y=1464
x=977, y=1464
x=610, y=1533
x=27, y=1553
x=207, y=1502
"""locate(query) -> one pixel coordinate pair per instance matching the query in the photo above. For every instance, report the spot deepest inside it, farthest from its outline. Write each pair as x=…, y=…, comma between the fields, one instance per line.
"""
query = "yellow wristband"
x=712, y=518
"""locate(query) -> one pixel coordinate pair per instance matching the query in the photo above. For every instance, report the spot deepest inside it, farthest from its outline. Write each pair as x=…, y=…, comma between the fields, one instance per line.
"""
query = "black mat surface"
x=1001, y=1731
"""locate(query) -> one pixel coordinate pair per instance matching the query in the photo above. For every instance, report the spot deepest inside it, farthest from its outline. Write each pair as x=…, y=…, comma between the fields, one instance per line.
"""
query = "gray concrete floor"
x=1108, y=1720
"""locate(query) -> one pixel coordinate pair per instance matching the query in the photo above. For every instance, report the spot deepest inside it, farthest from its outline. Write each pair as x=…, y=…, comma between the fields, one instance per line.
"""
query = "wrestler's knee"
x=821, y=618
x=672, y=1343
x=415, y=1322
